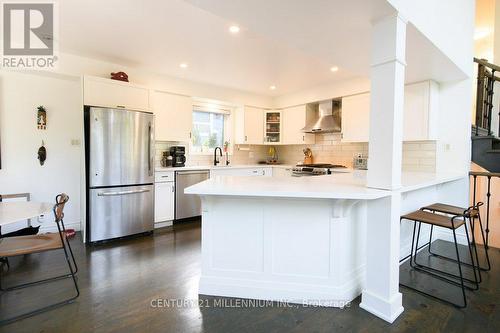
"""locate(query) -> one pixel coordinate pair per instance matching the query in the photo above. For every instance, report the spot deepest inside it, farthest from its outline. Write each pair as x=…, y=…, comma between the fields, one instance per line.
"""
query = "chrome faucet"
x=216, y=161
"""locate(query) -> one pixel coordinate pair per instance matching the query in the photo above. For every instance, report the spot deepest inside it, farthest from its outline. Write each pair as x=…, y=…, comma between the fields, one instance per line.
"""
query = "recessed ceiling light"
x=272, y=87
x=183, y=65
x=334, y=69
x=234, y=29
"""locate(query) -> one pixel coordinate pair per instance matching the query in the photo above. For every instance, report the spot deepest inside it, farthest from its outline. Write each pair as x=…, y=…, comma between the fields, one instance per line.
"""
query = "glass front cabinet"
x=272, y=127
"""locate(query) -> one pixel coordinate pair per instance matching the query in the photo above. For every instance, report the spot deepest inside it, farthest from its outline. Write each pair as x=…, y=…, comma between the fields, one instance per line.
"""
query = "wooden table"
x=11, y=212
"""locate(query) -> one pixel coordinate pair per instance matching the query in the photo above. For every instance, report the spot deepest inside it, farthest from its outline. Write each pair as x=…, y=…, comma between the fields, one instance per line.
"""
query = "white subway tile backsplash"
x=417, y=155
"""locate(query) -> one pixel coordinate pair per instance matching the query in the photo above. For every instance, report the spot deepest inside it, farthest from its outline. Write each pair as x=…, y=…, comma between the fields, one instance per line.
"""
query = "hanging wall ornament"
x=42, y=154
x=41, y=118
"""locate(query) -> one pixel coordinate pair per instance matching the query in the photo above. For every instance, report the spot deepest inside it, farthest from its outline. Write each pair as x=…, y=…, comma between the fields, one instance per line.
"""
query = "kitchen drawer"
x=164, y=176
x=229, y=171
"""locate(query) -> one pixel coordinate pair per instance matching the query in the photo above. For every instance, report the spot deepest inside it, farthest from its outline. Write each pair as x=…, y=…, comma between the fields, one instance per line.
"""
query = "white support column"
x=381, y=295
x=387, y=103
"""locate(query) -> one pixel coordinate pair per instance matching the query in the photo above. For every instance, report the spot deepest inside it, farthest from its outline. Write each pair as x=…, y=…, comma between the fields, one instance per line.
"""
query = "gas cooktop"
x=321, y=165
x=316, y=169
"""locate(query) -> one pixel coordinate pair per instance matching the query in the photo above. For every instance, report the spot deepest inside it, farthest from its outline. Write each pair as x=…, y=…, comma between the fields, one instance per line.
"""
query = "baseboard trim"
x=391, y=309
x=296, y=293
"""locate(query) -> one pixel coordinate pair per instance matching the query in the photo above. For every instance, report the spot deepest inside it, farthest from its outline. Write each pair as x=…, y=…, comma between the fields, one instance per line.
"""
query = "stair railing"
x=489, y=176
x=486, y=80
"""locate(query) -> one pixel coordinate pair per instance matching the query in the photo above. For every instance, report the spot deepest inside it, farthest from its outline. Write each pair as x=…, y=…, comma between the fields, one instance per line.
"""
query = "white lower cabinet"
x=164, y=199
x=229, y=171
x=282, y=172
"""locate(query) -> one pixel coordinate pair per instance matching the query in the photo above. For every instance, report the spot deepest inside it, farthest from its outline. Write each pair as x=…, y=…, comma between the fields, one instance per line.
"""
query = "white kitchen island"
x=306, y=240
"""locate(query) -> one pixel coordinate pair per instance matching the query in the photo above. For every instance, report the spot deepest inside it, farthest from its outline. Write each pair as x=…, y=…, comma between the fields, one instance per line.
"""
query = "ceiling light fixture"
x=183, y=65
x=272, y=87
x=334, y=69
x=481, y=33
x=234, y=29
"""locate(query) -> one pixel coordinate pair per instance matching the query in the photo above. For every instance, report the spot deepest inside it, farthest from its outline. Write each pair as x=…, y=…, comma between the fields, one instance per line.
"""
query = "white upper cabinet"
x=173, y=116
x=294, y=119
x=114, y=94
x=249, y=126
x=273, y=129
x=421, y=110
x=356, y=118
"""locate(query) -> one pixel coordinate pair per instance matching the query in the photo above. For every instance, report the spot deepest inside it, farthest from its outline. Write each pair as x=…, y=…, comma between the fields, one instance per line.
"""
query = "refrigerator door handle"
x=150, y=141
x=108, y=194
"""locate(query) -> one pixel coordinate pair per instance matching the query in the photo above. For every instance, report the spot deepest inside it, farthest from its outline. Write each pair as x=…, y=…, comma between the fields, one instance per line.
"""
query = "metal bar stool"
x=21, y=245
x=451, y=223
x=474, y=214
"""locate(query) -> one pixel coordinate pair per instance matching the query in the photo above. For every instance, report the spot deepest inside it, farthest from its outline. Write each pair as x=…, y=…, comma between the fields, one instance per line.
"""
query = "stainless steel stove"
x=315, y=169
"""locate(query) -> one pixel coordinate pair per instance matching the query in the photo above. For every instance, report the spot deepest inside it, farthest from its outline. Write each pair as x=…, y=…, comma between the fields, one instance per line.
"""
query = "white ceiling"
x=288, y=43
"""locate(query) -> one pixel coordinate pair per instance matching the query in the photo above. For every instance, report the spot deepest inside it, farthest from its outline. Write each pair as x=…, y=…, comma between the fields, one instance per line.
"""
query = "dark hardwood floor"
x=119, y=280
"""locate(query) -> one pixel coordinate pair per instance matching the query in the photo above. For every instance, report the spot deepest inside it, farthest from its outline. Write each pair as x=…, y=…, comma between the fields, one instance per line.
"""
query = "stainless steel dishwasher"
x=188, y=205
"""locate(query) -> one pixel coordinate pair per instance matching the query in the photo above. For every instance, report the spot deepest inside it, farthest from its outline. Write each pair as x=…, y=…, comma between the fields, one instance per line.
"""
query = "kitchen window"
x=210, y=129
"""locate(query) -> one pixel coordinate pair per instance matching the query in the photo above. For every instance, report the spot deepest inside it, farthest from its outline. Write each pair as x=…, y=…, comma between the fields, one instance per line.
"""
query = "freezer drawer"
x=120, y=211
x=188, y=205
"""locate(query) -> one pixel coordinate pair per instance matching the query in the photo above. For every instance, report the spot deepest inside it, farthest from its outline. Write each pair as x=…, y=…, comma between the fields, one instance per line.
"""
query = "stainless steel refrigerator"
x=119, y=148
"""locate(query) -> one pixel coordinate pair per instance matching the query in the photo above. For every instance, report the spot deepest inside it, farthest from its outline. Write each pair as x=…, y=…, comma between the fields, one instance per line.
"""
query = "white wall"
x=449, y=24
x=322, y=92
x=60, y=93
x=454, y=131
x=76, y=65
x=20, y=94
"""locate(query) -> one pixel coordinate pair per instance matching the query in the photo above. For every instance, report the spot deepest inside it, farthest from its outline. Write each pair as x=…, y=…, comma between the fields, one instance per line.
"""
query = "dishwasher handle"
x=194, y=172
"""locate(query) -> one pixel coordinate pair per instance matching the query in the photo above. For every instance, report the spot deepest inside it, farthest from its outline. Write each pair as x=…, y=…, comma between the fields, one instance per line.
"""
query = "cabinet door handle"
x=246, y=138
x=190, y=135
x=173, y=189
x=303, y=138
x=121, y=106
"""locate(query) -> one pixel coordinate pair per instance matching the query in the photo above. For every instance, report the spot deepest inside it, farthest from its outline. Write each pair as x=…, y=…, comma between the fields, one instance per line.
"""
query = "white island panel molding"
x=305, y=251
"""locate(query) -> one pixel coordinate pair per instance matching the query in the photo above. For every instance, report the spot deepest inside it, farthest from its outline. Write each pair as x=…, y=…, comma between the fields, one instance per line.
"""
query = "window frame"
x=227, y=113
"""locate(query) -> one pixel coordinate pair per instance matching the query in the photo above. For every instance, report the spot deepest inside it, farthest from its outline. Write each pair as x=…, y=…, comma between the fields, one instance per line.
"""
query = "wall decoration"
x=41, y=118
x=42, y=154
x=120, y=76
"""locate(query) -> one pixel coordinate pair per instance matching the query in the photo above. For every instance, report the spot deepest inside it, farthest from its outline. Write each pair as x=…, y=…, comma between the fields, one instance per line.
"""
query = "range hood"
x=326, y=119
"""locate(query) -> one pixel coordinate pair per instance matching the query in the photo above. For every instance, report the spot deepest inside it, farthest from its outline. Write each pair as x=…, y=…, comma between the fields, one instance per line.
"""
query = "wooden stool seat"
x=434, y=219
x=21, y=245
x=15, y=246
x=450, y=209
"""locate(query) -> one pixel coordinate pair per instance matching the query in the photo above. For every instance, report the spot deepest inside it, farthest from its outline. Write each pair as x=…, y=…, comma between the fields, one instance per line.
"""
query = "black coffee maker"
x=178, y=154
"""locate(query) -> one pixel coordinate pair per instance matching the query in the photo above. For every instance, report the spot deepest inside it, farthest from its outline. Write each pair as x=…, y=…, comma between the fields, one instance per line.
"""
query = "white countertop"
x=232, y=166
x=412, y=181
x=336, y=186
